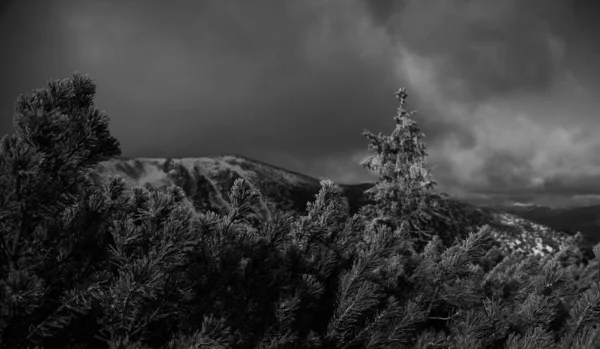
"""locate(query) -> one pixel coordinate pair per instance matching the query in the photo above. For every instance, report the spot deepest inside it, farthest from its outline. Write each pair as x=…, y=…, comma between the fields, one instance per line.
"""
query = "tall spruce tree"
x=404, y=192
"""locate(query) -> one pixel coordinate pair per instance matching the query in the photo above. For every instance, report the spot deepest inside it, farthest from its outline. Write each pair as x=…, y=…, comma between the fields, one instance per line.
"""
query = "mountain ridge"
x=583, y=219
x=207, y=181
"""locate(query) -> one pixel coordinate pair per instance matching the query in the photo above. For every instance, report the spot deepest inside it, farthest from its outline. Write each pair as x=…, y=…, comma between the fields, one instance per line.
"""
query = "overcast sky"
x=506, y=90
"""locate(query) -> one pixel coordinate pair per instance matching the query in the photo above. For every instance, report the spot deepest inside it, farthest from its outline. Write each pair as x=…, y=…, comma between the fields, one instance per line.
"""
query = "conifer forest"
x=88, y=265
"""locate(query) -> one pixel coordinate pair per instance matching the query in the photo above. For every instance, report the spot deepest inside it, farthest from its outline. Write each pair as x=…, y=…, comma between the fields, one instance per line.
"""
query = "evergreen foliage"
x=405, y=191
x=101, y=266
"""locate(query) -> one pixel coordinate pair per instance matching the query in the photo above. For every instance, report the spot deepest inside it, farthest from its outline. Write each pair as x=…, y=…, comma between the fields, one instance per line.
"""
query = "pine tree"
x=59, y=134
x=404, y=191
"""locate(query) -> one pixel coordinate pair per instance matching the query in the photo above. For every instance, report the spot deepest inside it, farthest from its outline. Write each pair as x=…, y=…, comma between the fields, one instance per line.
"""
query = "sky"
x=505, y=90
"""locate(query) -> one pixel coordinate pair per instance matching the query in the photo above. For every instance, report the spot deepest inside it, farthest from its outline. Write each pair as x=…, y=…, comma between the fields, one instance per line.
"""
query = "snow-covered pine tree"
x=404, y=191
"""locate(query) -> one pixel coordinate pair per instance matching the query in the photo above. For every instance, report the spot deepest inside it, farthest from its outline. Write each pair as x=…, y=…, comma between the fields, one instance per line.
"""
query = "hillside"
x=584, y=219
x=207, y=180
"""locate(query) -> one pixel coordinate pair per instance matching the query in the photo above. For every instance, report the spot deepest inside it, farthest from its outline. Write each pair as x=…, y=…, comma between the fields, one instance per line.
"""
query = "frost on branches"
x=404, y=192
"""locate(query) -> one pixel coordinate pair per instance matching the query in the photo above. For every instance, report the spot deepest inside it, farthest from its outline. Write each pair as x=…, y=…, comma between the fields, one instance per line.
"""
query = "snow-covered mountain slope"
x=208, y=180
x=584, y=219
x=513, y=233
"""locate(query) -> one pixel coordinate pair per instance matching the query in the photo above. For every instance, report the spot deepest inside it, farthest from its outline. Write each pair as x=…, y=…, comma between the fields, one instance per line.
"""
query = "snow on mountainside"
x=513, y=233
x=208, y=180
x=584, y=219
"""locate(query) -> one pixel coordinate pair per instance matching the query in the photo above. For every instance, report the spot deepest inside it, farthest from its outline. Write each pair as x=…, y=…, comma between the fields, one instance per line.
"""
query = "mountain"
x=585, y=219
x=207, y=182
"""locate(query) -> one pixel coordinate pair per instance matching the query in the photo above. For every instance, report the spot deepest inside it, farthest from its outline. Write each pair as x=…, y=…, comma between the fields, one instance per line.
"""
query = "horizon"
x=475, y=202
x=505, y=90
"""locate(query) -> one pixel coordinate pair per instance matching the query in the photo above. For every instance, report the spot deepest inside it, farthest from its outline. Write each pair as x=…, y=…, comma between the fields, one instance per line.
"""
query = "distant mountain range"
x=568, y=219
x=208, y=180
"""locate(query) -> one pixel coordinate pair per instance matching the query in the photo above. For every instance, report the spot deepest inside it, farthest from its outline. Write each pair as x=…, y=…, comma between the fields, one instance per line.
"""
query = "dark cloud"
x=483, y=49
x=381, y=11
x=505, y=89
x=518, y=77
x=5, y=7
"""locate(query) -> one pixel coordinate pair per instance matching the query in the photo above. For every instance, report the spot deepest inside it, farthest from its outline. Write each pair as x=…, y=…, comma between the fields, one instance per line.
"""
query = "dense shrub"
x=100, y=266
